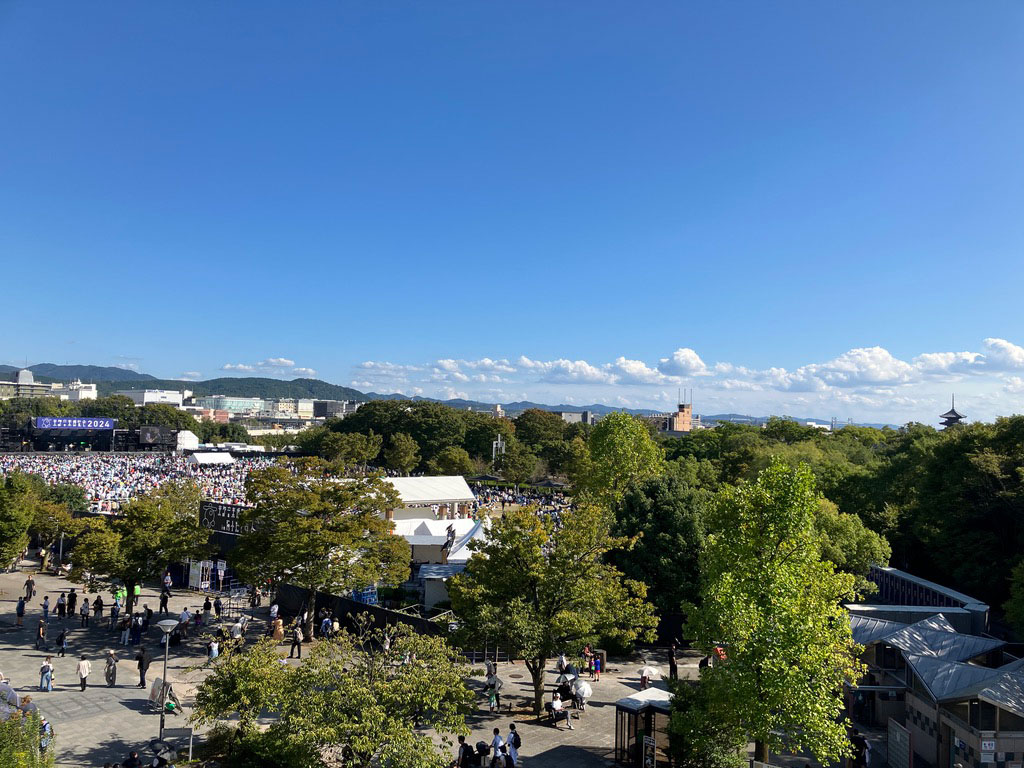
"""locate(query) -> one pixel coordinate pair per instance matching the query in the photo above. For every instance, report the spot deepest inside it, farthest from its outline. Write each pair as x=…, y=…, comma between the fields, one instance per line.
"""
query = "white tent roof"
x=417, y=491
x=212, y=458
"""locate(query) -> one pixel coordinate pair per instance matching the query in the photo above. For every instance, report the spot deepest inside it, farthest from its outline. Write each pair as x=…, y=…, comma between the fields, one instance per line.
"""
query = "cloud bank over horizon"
x=865, y=383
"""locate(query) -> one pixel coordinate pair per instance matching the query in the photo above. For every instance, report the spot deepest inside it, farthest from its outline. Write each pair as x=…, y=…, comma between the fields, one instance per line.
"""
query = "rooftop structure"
x=951, y=417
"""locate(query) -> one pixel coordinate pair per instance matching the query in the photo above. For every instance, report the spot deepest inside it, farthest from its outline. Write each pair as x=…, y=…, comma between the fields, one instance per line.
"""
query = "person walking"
x=513, y=742
x=30, y=588
x=165, y=593
x=673, y=665
x=218, y=606
x=212, y=649
x=62, y=642
x=46, y=608
x=115, y=610
x=97, y=607
x=297, y=638
x=62, y=606
x=19, y=611
x=72, y=602
x=84, y=668
x=144, y=659
x=41, y=636
x=167, y=582
x=207, y=611
x=46, y=675
x=110, y=670
x=496, y=744
x=83, y=612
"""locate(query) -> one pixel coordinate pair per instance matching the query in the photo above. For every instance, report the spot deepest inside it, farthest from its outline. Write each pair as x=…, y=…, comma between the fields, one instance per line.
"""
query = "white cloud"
x=273, y=366
x=128, y=366
x=948, y=362
x=1003, y=355
x=190, y=375
x=1014, y=385
x=450, y=393
x=567, y=371
x=684, y=362
x=635, y=372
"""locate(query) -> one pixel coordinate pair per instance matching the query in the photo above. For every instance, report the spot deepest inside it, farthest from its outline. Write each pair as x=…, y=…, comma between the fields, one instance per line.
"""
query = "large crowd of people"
x=111, y=479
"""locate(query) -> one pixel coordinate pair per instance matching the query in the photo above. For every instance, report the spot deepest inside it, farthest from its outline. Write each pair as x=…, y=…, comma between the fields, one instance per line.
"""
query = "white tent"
x=209, y=459
x=187, y=441
x=424, y=491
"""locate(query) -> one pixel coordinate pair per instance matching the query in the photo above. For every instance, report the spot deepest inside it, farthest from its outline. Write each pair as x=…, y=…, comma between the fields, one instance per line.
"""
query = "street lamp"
x=166, y=626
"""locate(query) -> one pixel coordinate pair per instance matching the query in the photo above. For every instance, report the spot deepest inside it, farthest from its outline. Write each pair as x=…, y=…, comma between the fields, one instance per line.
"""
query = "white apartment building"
x=75, y=391
x=153, y=396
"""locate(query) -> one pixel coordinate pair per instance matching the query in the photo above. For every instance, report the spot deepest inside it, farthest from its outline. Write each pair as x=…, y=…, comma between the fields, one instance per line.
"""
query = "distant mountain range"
x=110, y=379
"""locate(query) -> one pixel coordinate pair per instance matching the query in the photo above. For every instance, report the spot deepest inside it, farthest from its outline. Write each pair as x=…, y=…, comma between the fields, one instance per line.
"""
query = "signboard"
x=151, y=435
x=221, y=517
x=988, y=745
x=988, y=757
x=650, y=752
x=901, y=753
x=76, y=422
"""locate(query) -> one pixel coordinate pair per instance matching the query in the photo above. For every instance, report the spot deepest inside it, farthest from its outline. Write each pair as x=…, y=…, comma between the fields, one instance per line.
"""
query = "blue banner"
x=74, y=422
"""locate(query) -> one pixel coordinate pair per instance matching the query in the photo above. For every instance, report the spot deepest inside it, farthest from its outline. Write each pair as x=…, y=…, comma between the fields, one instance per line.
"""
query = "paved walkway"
x=100, y=724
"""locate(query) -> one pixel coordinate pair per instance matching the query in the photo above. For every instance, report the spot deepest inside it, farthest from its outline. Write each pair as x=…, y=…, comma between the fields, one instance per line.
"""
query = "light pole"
x=166, y=626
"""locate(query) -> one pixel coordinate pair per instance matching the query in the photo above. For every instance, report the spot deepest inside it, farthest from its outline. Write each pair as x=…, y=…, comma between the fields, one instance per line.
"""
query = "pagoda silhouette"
x=951, y=417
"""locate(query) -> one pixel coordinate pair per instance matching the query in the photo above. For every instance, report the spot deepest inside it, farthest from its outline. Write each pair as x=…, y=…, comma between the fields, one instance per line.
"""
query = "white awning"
x=220, y=457
x=419, y=491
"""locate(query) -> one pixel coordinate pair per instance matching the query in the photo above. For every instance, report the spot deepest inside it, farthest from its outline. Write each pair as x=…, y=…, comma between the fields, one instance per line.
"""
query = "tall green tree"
x=21, y=745
x=539, y=590
x=622, y=452
x=311, y=527
x=518, y=464
x=452, y=461
x=665, y=518
x=535, y=426
x=374, y=712
x=17, y=497
x=402, y=453
x=776, y=606
x=152, y=532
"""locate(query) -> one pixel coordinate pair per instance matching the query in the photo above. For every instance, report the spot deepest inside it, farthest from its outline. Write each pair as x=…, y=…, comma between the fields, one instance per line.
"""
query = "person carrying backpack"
x=513, y=742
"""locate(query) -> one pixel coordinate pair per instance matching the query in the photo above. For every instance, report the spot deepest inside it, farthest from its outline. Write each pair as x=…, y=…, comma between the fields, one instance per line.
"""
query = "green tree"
x=452, y=461
x=17, y=496
x=308, y=529
x=665, y=516
x=374, y=712
x=849, y=545
x=534, y=427
x=517, y=464
x=700, y=736
x=350, y=448
x=1014, y=607
x=622, y=452
x=152, y=531
x=482, y=430
x=434, y=427
x=119, y=407
x=538, y=590
x=402, y=453
x=20, y=742
x=776, y=607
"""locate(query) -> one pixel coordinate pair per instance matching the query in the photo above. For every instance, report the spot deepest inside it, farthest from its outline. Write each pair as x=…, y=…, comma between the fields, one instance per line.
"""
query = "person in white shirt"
x=557, y=710
x=183, y=621
x=84, y=668
x=273, y=611
x=496, y=744
x=511, y=741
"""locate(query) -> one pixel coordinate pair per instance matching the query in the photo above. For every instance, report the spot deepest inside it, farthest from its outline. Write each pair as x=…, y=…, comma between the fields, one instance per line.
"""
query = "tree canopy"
x=538, y=589
x=775, y=606
x=374, y=711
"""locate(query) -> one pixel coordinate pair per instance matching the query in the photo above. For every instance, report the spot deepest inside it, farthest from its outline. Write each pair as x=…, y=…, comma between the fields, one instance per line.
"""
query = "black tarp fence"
x=291, y=600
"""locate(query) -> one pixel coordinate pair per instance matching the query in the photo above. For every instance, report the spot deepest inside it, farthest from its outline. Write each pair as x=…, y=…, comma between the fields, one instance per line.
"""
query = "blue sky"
x=782, y=205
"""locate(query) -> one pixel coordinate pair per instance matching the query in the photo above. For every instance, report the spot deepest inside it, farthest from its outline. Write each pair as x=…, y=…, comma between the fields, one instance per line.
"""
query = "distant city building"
x=23, y=385
x=230, y=403
x=497, y=411
x=334, y=409
x=679, y=423
x=951, y=417
x=153, y=396
x=576, y=417
x=75, y=391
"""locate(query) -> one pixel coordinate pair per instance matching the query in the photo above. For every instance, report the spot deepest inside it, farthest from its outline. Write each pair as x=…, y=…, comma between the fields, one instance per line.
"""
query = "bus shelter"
x=641, y=729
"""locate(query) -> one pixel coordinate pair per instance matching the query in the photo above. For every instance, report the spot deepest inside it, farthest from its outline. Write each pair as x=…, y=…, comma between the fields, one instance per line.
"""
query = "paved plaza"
x=102, y=724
